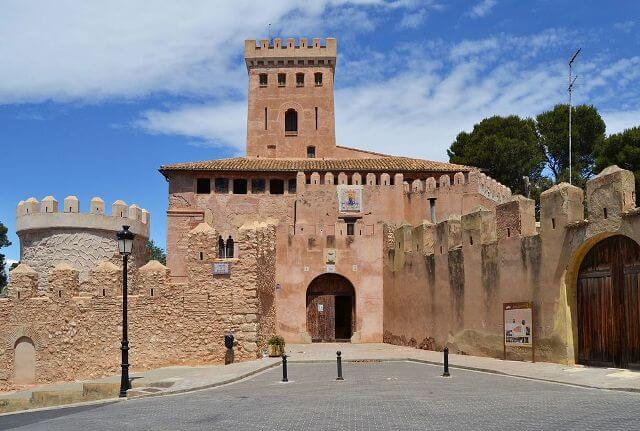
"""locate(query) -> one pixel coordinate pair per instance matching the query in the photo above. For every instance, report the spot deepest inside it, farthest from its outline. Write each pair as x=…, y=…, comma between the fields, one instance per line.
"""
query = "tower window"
x=299, y=79
x=263, y=80
x=240, y=186
x=276, y=187
x=265, y=118
x=316, y=118
x=291, y=122
x=257, y=185
x=292, y=183
x=282, y=79
x=318, y=78
x=203, y=186
x=222, y=185
x=311, y=152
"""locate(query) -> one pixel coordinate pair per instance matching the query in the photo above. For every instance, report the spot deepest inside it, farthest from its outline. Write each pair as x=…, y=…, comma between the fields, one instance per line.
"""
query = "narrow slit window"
x=606, y=213
x=553, y=223
x=59, y=293
x=470, y=240
x=201, y=256
x=104, y=292
x=508, y=233
x=265, y=118
x=316, y=118
x=152, y=291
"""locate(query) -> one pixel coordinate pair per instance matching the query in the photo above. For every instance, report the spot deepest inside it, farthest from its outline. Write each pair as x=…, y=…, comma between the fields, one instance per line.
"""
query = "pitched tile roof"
x=380, y=164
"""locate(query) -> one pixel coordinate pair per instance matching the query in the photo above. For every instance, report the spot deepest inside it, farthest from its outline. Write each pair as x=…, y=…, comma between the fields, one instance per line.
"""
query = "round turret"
x=50, y=235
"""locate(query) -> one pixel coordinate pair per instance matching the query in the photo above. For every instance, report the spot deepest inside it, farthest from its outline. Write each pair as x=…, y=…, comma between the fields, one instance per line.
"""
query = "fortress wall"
x=445, y=283
x=77, y=335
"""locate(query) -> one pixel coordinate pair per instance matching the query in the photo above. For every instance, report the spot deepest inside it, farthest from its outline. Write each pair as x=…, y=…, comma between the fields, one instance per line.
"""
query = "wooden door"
x=321, y=317
x=609, y=304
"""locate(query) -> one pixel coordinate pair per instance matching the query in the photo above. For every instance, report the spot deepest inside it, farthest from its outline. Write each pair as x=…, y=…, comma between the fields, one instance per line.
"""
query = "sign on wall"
x=349, y=198
x=518, y=325
x=221, y=268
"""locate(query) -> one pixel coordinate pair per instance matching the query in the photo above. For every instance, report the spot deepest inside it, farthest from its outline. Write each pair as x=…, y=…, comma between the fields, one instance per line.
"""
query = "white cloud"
x=618, y=121
x=420, y=108
x=95, y=50
x=625, y=26
x=413, y=19
x=482, y=9
x=215, y=125
x=8, y=263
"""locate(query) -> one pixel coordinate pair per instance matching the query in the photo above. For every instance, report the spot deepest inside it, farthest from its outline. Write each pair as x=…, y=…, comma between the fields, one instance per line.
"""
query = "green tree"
x=506, y=148
x=4, y=242
x=156, y=252
x=587, y=132
x=622, y=149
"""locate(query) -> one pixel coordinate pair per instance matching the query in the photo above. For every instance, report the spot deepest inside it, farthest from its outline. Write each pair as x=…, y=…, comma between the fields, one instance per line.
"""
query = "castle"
x=321, y=242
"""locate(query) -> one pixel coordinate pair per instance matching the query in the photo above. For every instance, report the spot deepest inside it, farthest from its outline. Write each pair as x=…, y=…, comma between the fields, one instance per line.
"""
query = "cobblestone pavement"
x=374, y=396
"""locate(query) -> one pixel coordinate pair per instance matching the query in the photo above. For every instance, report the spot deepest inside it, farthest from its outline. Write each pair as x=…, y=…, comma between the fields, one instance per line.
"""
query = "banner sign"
x=221, y=268
x=349, y=198
x=518, y=325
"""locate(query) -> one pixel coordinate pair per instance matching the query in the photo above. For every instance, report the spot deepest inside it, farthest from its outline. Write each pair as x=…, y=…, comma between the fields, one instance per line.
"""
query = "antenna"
x=572, y=81
x=269, y=27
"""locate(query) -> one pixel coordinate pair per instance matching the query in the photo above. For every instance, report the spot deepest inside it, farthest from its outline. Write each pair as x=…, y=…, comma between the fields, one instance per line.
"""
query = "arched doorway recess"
x=331, y=304
x=608, y=304
x=24, y=362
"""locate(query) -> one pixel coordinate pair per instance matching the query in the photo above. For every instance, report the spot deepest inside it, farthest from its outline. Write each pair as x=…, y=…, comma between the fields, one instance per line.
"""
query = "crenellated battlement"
x=32, y=214
x=279, y=49
x=461, y=182
x=610, y=204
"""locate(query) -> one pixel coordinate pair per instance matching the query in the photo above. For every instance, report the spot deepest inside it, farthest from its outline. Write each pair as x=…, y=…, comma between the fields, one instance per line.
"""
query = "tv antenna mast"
x=572, y=81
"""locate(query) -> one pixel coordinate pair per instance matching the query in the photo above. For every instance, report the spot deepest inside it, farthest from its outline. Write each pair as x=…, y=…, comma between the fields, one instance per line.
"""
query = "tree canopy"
x=156, y=252
x=509, y=148
x=506, y=148
x=4, y=242
x=622, y=149
x=587, y=132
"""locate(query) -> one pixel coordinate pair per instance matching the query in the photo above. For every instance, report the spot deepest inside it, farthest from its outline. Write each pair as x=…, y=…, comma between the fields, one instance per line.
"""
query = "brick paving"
x=374, y=396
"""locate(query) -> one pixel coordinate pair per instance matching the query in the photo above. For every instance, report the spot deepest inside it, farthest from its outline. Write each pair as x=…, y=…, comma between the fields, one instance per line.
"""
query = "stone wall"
x=445, y=283
x=77, y=334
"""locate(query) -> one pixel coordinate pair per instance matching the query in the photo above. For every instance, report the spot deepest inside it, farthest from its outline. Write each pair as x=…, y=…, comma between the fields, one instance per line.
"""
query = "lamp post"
x=125, y=245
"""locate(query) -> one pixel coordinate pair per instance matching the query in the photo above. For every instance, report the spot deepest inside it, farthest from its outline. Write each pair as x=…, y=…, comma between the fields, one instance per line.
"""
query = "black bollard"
x=339, y=359
x=284, y=369
x=446, y=363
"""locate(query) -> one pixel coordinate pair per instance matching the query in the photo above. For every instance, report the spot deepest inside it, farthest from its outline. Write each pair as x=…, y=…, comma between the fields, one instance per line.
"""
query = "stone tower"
x=291, y=111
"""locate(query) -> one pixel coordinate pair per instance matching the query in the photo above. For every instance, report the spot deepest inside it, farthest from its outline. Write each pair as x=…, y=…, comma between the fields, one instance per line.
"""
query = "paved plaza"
x=374, y=396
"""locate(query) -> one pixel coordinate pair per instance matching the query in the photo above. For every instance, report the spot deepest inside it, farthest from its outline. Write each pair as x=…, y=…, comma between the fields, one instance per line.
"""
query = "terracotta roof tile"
x=380, y=164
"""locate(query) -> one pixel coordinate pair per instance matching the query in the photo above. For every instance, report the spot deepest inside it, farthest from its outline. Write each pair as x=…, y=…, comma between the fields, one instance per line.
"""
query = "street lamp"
x=125, y=245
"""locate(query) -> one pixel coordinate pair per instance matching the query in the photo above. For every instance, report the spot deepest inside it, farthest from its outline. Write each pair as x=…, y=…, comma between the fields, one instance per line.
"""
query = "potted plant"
x=276, y=345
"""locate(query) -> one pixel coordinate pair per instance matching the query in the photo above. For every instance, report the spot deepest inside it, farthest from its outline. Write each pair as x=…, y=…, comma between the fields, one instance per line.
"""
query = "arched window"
x=291, y=121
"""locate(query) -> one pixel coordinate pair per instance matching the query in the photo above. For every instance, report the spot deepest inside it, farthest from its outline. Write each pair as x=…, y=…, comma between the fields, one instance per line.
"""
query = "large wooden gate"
x=330, y=308
x=609, y=304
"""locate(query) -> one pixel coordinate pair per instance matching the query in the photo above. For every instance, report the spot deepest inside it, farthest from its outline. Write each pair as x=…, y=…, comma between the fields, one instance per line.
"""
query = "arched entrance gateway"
x=330, y=308
x=608, y=304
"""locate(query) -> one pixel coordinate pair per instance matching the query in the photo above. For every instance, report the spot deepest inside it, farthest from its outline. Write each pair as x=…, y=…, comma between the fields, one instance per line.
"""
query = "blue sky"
x=95, y=96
